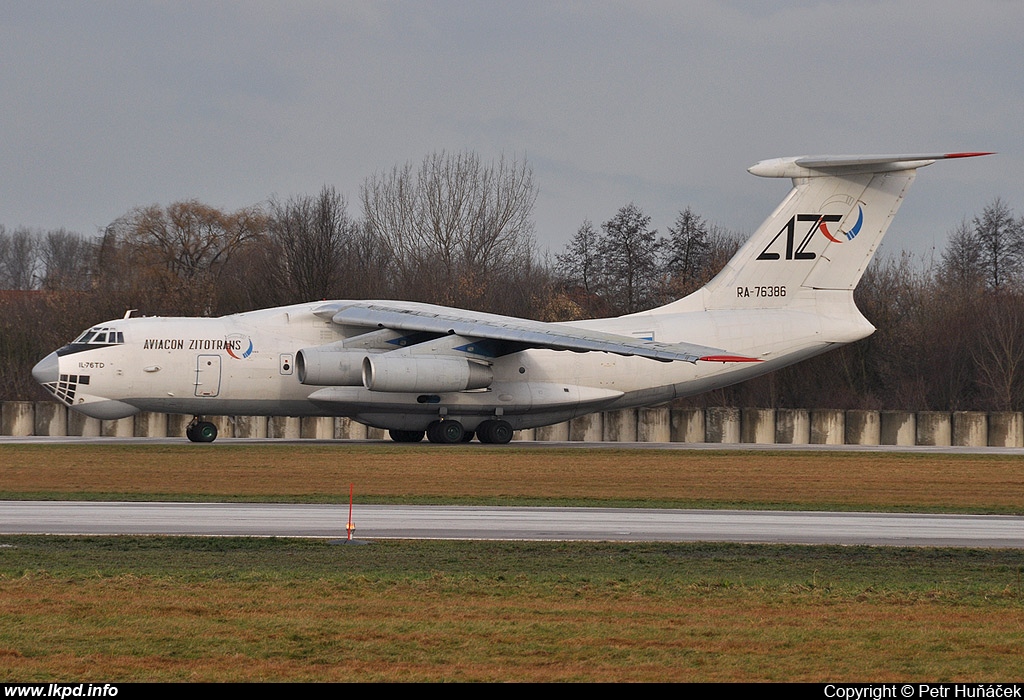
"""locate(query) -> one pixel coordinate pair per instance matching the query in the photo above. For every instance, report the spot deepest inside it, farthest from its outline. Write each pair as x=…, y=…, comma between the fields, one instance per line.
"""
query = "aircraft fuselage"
x=245, y=364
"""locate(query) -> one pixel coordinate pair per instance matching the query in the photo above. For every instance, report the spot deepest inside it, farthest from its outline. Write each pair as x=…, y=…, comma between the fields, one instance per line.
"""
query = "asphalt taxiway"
x=493, y=523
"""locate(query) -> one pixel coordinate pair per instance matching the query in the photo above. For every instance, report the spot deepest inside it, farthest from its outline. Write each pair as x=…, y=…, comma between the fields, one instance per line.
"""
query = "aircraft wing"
x=520, y=333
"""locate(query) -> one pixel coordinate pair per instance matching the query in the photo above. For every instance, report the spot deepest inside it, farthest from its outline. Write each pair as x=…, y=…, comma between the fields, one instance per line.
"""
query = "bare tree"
x=999, y=352
x=629, y=251
x=67, y=260
x=580, y=264
x=999, y=241
x=961, y=266
x=19, y=260
x=309, y=238
x=175, y=254
x=686, y=251
x=452, y=223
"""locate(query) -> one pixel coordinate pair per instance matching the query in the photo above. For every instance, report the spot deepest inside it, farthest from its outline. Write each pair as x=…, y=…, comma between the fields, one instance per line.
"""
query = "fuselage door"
x=207, y=375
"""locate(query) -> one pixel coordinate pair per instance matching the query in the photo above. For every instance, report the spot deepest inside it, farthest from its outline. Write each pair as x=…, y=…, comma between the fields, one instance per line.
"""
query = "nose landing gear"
x=201, y=431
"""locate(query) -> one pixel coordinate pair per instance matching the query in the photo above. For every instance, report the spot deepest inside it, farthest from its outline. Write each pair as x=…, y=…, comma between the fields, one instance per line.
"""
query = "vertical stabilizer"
x=824, y=233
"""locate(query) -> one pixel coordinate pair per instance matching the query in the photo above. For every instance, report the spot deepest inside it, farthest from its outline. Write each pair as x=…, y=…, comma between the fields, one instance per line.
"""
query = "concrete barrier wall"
x=225, y=425
x=686, y=425
x=287, y=427
x=151, y=425
x=250, y=426
x=970, y=429
x=934, y=428
x=348, y=429
x=620, y=426
x=123, y=428
x=559, y=432
x=724, y=425
x=50, y=418
x=1005, y=429
x=898, y=427
x=863, y=428
x=176, y=425
x=83, y=426
x=17, y=418
x=317, y=428
x=654, y=424
x=792, y=426
x=588, y=428
x=757, y=425
x=828, y=426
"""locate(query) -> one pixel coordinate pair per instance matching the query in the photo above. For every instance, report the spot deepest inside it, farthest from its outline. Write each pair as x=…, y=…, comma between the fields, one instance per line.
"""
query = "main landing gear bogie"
x=450, y=432
x=201, y=431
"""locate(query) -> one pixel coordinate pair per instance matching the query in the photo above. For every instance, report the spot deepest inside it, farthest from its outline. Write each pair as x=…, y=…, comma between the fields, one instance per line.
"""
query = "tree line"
x=456, y=230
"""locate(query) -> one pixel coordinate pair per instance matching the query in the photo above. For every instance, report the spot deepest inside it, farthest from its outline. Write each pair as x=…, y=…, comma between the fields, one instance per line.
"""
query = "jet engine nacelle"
x=322, y=367
x=434, y=375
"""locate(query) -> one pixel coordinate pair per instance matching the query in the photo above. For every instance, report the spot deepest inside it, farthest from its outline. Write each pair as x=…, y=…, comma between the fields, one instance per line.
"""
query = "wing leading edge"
x=523, y=333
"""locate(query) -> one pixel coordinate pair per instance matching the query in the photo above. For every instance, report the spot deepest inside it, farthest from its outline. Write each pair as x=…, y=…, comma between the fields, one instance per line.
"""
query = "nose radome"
x=47, y=370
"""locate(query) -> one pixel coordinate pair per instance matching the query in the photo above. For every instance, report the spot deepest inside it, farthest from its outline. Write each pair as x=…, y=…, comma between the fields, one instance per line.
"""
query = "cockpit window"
x=100, y=335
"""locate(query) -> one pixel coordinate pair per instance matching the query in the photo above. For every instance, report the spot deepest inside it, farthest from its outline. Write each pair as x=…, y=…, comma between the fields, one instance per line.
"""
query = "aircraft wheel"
x=501, y=432
x=446, y=432
x=203, y=431
x=406, y=435
x=494, y=432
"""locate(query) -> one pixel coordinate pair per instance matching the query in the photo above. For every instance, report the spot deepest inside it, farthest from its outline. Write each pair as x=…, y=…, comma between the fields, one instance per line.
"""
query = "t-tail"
x=824, y=233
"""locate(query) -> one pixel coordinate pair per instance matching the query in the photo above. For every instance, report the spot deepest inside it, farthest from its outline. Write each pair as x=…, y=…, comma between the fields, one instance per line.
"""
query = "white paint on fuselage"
x=156, y=367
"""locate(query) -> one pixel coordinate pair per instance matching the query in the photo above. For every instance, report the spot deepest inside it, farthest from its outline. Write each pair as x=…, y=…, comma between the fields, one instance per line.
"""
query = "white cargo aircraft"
x=418, y=369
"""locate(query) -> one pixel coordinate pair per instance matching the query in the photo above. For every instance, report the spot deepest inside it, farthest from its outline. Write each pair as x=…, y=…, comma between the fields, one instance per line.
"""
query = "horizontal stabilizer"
x=818, y=166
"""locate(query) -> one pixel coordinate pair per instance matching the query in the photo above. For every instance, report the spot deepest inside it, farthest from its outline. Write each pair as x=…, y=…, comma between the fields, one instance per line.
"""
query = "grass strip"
x=222, y=609
x=512, y=475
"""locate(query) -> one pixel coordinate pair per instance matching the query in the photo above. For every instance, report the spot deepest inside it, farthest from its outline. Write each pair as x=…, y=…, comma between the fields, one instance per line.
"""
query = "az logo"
x=817, y=222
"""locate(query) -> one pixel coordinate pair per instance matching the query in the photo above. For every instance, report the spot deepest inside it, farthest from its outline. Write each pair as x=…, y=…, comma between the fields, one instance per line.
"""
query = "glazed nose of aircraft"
x=47, y=370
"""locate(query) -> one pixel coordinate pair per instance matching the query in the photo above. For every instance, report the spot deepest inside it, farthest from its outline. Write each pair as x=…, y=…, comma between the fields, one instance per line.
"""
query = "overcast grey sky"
x=111, y=105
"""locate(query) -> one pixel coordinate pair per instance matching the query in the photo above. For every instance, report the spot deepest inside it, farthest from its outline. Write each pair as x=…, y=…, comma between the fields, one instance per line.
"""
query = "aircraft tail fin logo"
x=843, y=235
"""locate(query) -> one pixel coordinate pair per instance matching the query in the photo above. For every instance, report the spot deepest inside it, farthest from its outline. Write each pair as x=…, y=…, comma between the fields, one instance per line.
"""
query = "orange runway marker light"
x=351, y=526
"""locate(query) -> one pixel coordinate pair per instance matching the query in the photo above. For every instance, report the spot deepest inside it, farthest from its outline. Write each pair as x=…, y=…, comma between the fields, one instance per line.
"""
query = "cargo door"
x=207, y=375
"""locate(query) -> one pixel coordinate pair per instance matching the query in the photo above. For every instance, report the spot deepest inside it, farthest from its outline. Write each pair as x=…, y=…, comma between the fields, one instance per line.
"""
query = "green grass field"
x=214, y=609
